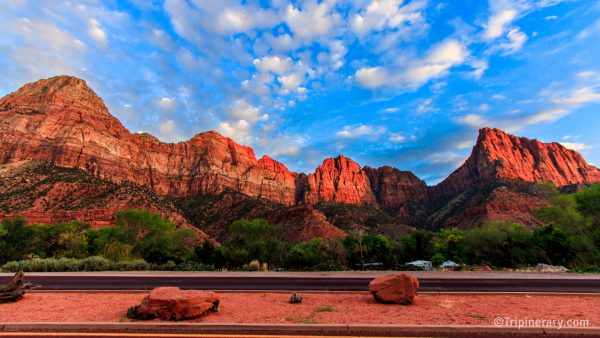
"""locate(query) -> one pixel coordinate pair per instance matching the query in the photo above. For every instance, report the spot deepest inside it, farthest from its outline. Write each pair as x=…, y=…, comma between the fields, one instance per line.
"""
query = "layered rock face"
x=339, y=180
x=61, y=120
x=393, y=187
x=498, y=156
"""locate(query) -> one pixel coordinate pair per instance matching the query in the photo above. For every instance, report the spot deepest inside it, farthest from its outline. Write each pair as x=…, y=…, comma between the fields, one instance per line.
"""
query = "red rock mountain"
x=61, y=121
x=498, y=156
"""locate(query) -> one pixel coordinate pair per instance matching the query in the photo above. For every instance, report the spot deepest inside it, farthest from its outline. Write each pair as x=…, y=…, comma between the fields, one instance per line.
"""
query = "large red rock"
x=498, y=156
x=397, y=289
x=172, y=303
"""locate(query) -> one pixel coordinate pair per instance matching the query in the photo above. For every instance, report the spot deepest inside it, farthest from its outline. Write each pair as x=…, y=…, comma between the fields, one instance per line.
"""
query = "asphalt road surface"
x=282, y=281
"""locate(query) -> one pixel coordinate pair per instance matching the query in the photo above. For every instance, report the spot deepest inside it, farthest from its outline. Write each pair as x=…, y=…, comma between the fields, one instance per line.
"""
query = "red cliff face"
x=498, y=156
x=393, y=187
x=62, y=121
x=339, y=180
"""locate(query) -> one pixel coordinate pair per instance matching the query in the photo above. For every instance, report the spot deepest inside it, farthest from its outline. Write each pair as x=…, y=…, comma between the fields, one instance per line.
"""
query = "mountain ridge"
x=62, y=121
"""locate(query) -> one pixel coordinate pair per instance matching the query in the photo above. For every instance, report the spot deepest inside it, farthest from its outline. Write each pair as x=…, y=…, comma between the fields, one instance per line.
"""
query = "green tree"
x=500, y=243
x=255, y=239
x=449, y=244
x=18, y=239
x=157, y=240
x=551, y=245
x=378, y=248
x=417, y=245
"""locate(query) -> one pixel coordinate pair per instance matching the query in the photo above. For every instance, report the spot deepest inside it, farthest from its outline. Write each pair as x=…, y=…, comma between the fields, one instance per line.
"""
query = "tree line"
x=143, y=240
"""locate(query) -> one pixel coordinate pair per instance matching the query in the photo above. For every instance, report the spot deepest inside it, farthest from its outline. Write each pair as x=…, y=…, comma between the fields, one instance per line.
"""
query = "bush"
x=194, y=266
x=95, y=263
x=134, y=265
x=252, y=266
x=43, y=265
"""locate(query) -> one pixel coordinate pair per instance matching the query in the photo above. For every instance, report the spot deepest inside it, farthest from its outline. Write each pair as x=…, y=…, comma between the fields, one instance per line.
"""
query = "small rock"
x=395, y=289
x=480, y=268
x=550, y=268
x=172, y=303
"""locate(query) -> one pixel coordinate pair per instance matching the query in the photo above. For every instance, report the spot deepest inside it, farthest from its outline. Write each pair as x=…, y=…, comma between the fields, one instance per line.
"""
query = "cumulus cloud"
x=275, y=64
x=413, y=74
x=389, y=14
x=498, y=22
x=96, y=32
x=243, y=110
x=313, y=20
x=237, y=130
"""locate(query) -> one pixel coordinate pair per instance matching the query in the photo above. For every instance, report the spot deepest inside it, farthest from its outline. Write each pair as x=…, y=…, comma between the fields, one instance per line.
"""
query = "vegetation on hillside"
x=143, y=240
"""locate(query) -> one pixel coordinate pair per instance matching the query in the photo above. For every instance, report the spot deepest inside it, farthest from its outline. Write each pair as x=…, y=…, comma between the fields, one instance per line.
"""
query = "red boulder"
x=396, y=289
x=171, y=303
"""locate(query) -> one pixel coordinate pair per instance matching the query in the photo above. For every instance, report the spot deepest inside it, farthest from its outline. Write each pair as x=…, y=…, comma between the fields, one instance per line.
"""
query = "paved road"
x=430, y=282
x=183, y=329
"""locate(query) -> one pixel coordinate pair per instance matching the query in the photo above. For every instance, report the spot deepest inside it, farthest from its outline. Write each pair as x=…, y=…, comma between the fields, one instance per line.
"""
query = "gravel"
x=342, y=308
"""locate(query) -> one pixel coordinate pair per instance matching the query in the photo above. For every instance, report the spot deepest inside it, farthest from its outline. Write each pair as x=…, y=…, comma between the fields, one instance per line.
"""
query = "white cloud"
x=242, y=110
x=275, y=64
x=372, y=77
x=515, y=41
x=397, y=138
x=237, y=130
x=479, y=67
x=96, y=32
x=446, y=157
x=574, y=146
x=438, y=60
x=579, y=96
x=562, y=107
x=360, y=130
x=426, y=106
x=291, y=81
x=389, y=14
x=169, y=131
x=167, y=103
x=313, y=20
x=498, y=22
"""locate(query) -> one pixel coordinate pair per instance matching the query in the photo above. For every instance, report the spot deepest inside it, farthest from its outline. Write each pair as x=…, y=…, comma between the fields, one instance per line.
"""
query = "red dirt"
x=430, y=309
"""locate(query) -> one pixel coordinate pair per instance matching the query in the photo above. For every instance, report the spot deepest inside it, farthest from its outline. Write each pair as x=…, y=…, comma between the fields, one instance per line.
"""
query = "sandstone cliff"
x=61, y=121
x=498, y=156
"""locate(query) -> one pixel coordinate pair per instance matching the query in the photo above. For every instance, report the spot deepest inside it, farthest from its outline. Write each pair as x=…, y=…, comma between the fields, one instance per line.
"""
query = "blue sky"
x=403, y=83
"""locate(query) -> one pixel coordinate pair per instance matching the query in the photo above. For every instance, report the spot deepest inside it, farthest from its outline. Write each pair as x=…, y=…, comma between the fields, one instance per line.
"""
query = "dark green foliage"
x=499, y=244
x=571, y=238
x=156, y=239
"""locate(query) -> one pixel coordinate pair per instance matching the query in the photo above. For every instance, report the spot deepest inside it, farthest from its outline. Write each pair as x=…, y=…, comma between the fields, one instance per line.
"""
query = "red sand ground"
x=317, y=308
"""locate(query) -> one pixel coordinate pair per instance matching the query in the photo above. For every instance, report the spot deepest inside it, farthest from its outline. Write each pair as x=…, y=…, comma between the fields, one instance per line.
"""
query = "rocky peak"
x=500, y=156
x=339, y=180
x=56, y=94
x=393, y=187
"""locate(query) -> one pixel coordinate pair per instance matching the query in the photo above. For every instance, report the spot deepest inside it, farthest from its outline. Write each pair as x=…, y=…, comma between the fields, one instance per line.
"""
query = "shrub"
x=134, y=265
x=95, y=263
x=252, y=266
x=194, y=266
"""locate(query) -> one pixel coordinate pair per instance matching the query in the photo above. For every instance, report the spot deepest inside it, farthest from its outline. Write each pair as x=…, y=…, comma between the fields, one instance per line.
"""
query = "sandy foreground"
x=317, y=308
